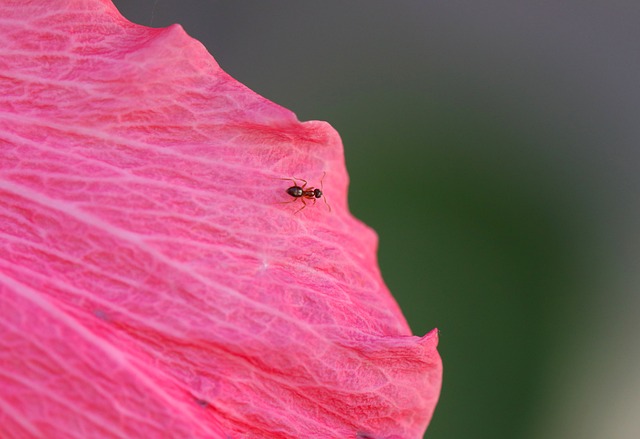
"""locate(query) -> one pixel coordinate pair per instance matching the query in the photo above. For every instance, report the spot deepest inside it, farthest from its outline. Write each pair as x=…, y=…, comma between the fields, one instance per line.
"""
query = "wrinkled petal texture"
x=156, y=280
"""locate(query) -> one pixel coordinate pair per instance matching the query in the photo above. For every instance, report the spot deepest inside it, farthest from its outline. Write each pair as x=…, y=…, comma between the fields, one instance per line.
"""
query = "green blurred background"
x=494, y=148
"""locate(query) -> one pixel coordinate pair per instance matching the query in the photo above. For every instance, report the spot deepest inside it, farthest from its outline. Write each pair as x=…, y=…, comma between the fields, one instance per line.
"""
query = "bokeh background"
x=493, y=145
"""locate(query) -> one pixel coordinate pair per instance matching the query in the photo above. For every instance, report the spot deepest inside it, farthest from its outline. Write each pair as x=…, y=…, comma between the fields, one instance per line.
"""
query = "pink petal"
x=152, y=282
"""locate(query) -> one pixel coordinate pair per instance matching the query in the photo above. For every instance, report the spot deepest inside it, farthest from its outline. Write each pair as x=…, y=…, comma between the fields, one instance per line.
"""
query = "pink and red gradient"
x=154, y=281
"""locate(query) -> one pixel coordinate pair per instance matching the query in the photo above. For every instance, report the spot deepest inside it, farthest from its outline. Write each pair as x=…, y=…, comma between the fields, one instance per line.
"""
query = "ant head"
x=317, y=193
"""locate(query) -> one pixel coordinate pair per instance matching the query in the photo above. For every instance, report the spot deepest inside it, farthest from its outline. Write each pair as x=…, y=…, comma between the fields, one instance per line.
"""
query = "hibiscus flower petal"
x=156, y=279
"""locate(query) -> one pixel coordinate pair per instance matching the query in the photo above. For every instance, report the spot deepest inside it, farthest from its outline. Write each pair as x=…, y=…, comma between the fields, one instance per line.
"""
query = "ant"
x=302, y=192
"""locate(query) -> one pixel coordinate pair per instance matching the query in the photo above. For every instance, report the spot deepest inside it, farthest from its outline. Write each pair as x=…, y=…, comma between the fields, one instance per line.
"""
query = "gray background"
x=493, y=146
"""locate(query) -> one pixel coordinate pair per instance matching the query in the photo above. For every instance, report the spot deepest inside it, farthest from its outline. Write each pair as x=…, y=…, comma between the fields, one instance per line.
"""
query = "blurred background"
x=494, y=148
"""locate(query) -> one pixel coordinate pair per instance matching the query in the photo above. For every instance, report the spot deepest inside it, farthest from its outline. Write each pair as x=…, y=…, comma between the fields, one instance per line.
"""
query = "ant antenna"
x=324, y=197
x=153, y=12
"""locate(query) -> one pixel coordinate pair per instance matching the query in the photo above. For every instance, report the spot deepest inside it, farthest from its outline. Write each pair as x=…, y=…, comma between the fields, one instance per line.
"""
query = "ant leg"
x=289, y=179
x=301, y=179
x=303, y=205
x=293, y=180
x=286, y=202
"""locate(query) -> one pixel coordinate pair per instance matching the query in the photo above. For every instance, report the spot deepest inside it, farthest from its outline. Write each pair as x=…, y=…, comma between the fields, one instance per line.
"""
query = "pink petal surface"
x=152, y=281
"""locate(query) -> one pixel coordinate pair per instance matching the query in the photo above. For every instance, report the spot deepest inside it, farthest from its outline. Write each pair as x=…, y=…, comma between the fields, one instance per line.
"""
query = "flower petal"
x=156, y=278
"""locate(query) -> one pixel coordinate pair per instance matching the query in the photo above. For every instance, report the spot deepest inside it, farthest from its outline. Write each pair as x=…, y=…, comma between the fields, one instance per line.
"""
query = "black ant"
x=302, y=192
